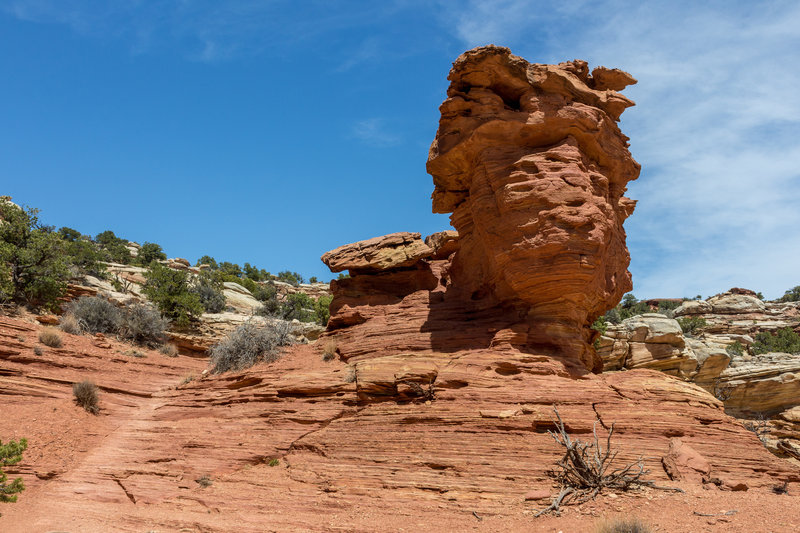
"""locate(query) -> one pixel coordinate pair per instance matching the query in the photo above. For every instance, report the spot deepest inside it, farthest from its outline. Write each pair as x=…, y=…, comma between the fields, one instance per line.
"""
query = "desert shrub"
x=150, y=252
x=231, y=269
x=208, y=288
x=322, y=311
x=274, y=462
x=600, y=325
x=204, y=481
x=623, y=525
x=298, y=305
x=143, y=325
x=735, y=349
x=313, y=279
x=292, y=278
x=255, y=273
x=70, y=324
x=11, y=454
x=792, y=295
x=50, y=337
x=691, y=324
x=85, y=394
x=82, y=253
x=113, y=248
x=33, y=264
x=343, y=275
x=170, y=350
x=612, y=316
x=169, y=290
x=267, y=293
x=134, y=353
x=784, y=340
x=250, y=344
x=96, y=315
x=37, y=350
x=207, y=260
x=630, y=306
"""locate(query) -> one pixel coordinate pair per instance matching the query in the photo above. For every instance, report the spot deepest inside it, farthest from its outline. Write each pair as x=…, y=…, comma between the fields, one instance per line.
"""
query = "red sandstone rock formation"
x=531, y=163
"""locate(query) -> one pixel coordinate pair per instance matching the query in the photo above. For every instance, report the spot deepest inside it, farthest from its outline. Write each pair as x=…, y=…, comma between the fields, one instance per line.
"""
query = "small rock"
x=537, y=495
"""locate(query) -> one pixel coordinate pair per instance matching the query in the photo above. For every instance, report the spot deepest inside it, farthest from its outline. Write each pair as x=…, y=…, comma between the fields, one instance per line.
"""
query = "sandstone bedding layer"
x=449, y=356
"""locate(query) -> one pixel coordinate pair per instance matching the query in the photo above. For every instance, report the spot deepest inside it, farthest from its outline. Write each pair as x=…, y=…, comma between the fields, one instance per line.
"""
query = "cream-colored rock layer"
x=396, y=250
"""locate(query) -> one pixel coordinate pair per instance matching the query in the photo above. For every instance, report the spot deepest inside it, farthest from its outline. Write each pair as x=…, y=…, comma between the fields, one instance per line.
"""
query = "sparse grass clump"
x=85, y=394
x=274, y=462
x=329, y=351
x=37, y=350
x=143, y=325
x=623, y=525
x=170, y=350
x=95, y=315
x=204, y=481
x=50, y=337
x=250, y=344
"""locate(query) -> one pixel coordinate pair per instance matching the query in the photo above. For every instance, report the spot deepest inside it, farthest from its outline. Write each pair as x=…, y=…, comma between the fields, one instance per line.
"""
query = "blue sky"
x=272, y=131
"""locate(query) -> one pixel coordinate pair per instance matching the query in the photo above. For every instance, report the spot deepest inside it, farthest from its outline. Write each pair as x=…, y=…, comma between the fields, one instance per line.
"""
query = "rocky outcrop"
x=529, y=160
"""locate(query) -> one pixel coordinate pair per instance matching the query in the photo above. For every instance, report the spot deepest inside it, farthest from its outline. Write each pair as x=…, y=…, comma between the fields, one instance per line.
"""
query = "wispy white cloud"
x=716, y=127
x=375, y=132
x=209, y=30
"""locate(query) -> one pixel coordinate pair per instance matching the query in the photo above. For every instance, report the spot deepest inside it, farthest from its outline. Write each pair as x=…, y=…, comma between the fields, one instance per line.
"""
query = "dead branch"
x=585, y=470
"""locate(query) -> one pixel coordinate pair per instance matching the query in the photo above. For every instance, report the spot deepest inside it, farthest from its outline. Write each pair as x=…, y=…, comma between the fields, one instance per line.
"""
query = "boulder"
x=396, y=250
x=734, y=304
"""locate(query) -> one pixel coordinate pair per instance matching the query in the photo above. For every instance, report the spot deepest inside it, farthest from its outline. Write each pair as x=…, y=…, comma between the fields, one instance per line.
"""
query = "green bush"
x=792, y=295
x=298, y=305
x=250, y=344
x=33, y=265
x=691, y=324
x=630, y=307
x=150, y=252
x=11, y=454
x=322, y=311
x=784, y=340
x=266, y=292
x=143, y=325
x=208, y=287
x=95, y=315
x=292, y=278
x=735, y=349
x=207, y=260
x=85, y=394
x=169, y=290
x=114, y=249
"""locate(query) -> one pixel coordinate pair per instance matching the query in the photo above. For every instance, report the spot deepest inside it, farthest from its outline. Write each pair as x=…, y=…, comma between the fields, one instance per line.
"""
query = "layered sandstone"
x=530, y=161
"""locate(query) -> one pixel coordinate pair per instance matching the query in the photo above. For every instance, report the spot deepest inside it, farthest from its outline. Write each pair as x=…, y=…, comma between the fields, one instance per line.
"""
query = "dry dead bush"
x=85, y=394
x=623, y=525
x=170, y=350
x=70, y=324
x=329, y=350
x=50, y=337
x=585, y=470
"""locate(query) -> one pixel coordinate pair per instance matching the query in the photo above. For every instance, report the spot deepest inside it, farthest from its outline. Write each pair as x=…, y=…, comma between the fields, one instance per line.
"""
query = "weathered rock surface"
x=396, y=250
x=529, y=160
x=350, y=438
